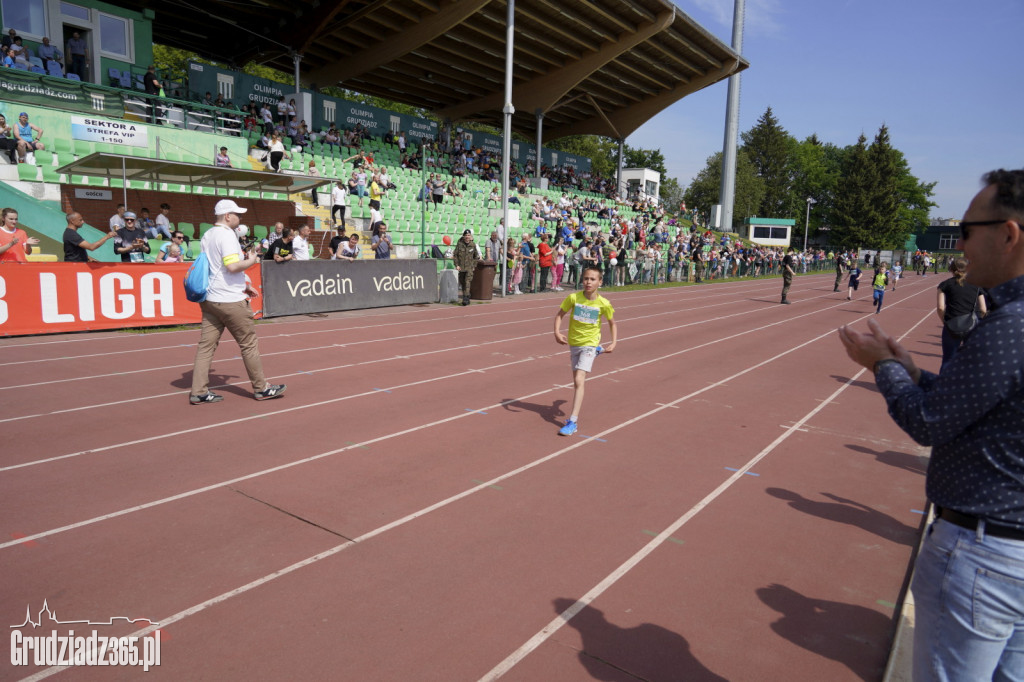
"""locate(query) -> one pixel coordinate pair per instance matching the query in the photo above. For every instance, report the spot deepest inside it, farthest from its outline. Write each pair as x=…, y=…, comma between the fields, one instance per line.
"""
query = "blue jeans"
x=877, y=297
x=969, y=606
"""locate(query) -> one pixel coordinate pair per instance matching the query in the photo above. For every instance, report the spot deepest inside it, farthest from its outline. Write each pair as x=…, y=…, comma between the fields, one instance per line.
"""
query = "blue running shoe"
x=568, y=429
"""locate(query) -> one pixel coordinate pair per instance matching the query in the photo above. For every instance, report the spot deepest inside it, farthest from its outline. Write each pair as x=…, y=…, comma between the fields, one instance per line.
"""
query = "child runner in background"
x=854, y=280
x=587, y=308
x=897, y=272
x=879, y=283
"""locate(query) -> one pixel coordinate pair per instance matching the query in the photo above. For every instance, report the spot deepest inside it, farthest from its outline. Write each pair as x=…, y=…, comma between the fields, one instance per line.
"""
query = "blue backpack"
x=197, y=281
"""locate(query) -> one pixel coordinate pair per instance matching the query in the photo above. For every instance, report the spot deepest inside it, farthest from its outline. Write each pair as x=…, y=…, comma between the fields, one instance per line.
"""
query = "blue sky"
x=946, y=76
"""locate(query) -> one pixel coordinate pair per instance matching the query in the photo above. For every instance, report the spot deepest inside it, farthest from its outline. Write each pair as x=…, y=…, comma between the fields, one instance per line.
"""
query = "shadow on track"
x=851, y=513
x=643, y=652
x=552, y=413
x=832, y=629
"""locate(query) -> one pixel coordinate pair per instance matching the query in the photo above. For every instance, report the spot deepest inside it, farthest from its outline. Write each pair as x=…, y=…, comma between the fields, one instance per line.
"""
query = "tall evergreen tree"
x=888, y=169
x=770, y=148
x=853, y=215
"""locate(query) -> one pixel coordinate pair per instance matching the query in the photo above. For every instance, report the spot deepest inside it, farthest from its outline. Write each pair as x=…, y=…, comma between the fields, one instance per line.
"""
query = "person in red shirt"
x=15, y=244
x=546, y=260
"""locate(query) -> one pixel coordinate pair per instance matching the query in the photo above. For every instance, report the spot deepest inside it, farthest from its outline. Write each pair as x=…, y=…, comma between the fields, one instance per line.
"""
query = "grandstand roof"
x=101, y=164
x=599, y=67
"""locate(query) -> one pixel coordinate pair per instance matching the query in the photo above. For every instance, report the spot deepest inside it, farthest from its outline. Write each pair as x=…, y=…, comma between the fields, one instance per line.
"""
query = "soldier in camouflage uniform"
x=465, y=258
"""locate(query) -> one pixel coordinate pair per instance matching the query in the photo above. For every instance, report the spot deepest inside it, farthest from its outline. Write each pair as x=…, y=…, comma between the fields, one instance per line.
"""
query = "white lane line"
x=561, y=619
x=413, y=429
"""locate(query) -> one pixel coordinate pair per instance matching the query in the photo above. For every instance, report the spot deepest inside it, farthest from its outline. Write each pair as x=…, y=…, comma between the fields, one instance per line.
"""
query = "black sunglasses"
x=966, y=225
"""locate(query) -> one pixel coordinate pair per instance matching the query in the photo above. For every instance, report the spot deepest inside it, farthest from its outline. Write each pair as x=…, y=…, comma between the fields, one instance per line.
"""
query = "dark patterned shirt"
x=972, y=415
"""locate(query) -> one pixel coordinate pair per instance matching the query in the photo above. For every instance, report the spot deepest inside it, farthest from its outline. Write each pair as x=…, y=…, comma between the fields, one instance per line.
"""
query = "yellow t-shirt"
x=585, y=318
x=375, y=193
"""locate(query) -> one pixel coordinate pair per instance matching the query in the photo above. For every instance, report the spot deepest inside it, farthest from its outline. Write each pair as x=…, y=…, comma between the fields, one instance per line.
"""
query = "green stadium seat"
x=28, y=172
x=204, y=228
x=50, y=174
x=188, y=229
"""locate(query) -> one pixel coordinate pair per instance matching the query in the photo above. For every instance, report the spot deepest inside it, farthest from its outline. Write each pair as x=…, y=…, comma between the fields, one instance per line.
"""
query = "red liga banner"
x=47, y=298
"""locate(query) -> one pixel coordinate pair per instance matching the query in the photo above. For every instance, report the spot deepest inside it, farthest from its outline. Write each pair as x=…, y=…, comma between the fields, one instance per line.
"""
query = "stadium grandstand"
x=109, y=132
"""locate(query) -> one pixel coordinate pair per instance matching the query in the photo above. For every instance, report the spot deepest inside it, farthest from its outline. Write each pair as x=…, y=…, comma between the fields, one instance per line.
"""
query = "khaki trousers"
x=237, y=319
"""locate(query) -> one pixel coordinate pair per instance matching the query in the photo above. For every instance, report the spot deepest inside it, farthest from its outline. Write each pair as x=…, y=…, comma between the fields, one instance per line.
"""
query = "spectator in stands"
x=117, y=220
x=23, y=133
x=8, y=142
x=494, y=197
x=221, y=159
x=172, y=255
x=385, y=180
x=545, y=257
x=273, y=234
x=277, y=152
x=360, y=176
x=267, y=118
x=452, y=190
x=437, y=189
x=402, y=143
x=527, y=259
x=281, y=250
x=339, y=194
x=177, y=239
x=314, y=193
x=131, y=242
x=382, y=245
x=349, y=249
x=336, y=241
x=15, y=244
x=282, y=110
x=226, y=307
x=492, y=248
x=20, y=53
x=8, y=39
x=152, y=85
x=300, y=243
x=146, y=224
x=163, y=223
x=7, y=58
x=376, y=192
x=76, y=248
x=78, y=53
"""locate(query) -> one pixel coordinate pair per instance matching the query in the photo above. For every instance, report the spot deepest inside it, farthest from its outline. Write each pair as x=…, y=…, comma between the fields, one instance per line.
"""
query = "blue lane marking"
x=748, y=473
x=916, y=511
x=382, y=389
x=477, y=411
x=600, y=440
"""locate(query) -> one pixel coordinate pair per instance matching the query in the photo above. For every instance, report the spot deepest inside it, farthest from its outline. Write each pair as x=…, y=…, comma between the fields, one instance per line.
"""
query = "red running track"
x=738, y=506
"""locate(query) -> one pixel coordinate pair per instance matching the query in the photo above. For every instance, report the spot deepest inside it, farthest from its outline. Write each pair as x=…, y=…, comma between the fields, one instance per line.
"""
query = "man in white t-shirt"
x=338, y=195
x=227, y=306
x=300, y=245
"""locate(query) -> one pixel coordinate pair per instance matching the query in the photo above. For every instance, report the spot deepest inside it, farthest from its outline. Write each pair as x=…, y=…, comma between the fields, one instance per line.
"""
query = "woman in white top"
x=315, y=172
x=277, y=152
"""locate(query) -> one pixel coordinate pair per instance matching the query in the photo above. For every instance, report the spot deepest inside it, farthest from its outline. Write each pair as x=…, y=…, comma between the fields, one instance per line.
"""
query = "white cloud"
x=761, y=16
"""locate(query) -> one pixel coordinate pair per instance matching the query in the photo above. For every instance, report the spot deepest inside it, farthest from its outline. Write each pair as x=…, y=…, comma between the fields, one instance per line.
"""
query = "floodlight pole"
x=727, y=190
x=506, y=139
x=540, y=140
x=807, y=222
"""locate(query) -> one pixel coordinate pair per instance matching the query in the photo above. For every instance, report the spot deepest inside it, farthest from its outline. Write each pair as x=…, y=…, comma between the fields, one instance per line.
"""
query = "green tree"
x=643, y=158
x=770, y=148
x=598, y=149
x=816, y=174
x=671, y=193
x=854, y=214
x=703, y=192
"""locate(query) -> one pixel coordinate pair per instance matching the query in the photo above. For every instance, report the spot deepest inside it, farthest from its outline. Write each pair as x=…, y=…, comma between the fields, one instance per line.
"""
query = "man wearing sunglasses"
x=131, y=241
x=969, y=577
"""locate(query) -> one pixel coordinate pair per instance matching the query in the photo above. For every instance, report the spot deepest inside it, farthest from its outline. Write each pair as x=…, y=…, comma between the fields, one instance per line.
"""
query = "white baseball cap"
x=225, y=206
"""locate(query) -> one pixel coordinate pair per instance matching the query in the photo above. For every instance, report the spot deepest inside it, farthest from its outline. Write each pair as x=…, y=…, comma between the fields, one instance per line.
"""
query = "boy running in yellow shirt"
x=587, y=308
